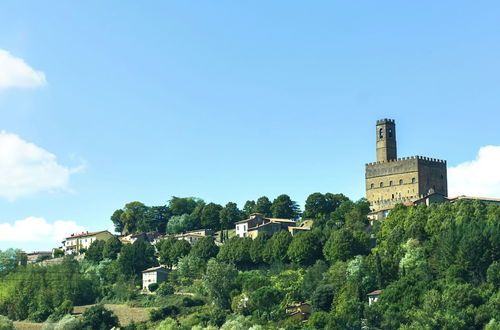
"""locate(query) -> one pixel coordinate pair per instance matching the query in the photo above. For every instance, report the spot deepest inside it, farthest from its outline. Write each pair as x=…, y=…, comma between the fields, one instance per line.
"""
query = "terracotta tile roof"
x=376, y=292
x=86, y=234
x=153, y=269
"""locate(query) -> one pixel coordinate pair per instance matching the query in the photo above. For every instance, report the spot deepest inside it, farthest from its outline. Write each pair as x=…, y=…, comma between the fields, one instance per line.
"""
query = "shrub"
x=152, y=287
x=98, y=317
x=68, y=322
x=165, y=289
x=5, y=323
x=163, y=312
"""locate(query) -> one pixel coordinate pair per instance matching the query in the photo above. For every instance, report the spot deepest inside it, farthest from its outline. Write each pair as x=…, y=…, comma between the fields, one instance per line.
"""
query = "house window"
x=381, y=184
x=413, y=180
x=390, y=183
x=372, y=186
x=401, y=181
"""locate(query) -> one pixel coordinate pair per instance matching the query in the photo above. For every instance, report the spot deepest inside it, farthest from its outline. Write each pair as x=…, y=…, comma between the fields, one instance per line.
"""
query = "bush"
x=68, y=322
x=98, y=317
x=165, y=289
x=152, y=287
x=163, y=312
x=6, y=324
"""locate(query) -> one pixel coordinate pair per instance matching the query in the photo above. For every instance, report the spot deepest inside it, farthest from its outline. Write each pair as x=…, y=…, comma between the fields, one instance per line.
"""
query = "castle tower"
x=386, y=140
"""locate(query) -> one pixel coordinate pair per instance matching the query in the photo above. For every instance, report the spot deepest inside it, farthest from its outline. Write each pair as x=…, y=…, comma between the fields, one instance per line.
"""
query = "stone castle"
x=392, y=180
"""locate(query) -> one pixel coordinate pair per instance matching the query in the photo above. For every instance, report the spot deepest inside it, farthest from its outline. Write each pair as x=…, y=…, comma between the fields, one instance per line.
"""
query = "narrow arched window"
x=390, y=183
x=381, y=133
x=413, y=180
x=401, y=181
x=381, y=184
x=372, y=186
x=390, y=132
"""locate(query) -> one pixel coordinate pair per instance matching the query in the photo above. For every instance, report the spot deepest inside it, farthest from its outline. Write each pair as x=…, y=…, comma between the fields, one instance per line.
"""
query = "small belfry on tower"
x=392, y=180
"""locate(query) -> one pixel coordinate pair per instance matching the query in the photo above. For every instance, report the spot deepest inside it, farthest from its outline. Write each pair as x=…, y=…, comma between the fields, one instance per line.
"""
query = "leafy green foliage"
x=229, y=215
x=98, y=317
x=205, y=248
x=136, y=257
x=220, y=280
x=276, y=249
x=111, y=248
x=95, y=251
x=210, y=216
x=305, y=248
x=284, y=207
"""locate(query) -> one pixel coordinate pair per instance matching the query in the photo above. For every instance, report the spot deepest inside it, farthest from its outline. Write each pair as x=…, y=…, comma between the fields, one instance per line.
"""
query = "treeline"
x=189, y=213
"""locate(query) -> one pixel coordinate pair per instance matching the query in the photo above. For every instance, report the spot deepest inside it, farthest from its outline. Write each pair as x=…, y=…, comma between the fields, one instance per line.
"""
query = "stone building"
x=392, y=180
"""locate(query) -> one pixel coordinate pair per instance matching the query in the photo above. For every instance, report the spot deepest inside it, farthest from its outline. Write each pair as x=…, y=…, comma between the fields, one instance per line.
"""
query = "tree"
x=236, y=251
x=111, y=248
x=6, y=324
x=180, y=223
x=94, y=252
x=263, y=206
x=265, y=299
x=257, y=248
x=165, y=248
x=133, y=215
x=136, y=257
x=343, y=245
x=205, y=248
x=229, y=215
x=155, y=219
x=116, y=218
x=8, y=260
x=180, y=249
x=99, y=318
x=277, y=247
x=322, y=298
x=248, y=209
x=210, y=216
x=284, y=207
x=180, y=206
x=219, y=280
x=305, y=248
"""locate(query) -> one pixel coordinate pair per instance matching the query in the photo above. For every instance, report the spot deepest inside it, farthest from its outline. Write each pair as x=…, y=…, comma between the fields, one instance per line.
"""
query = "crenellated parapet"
x=422, y=158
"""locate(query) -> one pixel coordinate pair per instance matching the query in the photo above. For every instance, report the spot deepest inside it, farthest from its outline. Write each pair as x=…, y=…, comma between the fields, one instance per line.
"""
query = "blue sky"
x=229, y=101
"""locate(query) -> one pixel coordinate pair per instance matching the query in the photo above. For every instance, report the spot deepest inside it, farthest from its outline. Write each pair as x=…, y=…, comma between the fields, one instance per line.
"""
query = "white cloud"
x=35, y=229
x=28, y=169
x=479, y=177
x=14, y=72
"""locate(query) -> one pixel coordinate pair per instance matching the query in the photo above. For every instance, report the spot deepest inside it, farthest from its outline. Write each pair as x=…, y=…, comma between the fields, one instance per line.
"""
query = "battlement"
x=427, y=159
x=385, y=120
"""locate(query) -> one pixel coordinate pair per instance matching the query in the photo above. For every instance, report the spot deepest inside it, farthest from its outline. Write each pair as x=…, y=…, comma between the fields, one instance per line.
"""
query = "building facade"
x=75, y=243
x=392, y=180
x=153, y=275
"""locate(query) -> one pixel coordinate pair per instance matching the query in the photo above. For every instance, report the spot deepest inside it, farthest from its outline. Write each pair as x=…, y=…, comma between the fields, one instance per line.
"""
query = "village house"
x=75, y=243
x=257, y=223
x=300, y=311
x=153, y=275
x=145, y=237
x=192, y=236
x=373, y=296
x=33, y=257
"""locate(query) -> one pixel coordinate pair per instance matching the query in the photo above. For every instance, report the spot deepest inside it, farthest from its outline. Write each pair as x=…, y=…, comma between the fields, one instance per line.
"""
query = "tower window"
x=413, y=180
x=381, y=184
x=390, y=132
x=401, y=181
x=372, y=186
x=381, y=133
x=390, y=184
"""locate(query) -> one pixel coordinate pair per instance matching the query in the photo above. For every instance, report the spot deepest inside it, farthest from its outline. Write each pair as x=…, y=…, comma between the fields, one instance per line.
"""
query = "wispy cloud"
x=28, y=169
x=38, y=230
x=14, y=72
x=479, y=177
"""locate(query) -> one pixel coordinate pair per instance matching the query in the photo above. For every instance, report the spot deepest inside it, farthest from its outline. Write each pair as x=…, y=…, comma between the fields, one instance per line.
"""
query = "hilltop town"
x=408, y=256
